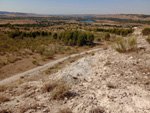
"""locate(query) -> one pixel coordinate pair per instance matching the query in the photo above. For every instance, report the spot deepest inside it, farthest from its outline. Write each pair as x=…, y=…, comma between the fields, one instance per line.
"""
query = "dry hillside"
x=106, y=82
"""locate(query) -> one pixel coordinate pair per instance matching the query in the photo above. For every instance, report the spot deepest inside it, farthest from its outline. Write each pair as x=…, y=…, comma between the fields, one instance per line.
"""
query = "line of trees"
x=21, y=34
x=69, y=38
x=123, y=32
x=72, y=38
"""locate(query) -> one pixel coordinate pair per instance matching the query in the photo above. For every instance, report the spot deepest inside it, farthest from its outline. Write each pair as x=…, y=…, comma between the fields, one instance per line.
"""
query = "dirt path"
x=41, y=68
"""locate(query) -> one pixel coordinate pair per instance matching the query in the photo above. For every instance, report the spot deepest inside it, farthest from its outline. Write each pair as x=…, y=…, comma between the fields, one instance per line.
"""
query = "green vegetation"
x=125, y=44
x=21, y=34
x=48, y=71
x=72, y=38
x=107, y=36
x=123, y=32
x=146, y=31
x=36, y=63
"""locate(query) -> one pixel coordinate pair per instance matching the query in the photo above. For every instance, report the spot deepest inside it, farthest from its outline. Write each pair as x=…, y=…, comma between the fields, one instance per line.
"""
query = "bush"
x=49, y=54
x=97, y=110
x=49, y=87
x=60, y=91
x=47, y=71
x=107, y=36
x=148, y=39
x=55, y=35
x=66, y=110
x=3, y=99
x=125, y=44
x=98, y=39
x=36, y=63
x=146, y=31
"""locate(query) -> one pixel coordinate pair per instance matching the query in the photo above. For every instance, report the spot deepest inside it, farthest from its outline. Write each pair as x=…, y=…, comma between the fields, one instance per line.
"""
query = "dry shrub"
x=97, y=110
x=49, y=87
x=125, y=44
x=66, y=110
x=60, y=91
x=148, y=39
x=26, y=108
x=111, y=85
x=3, y=99
x=5, y=111
x=3, y=88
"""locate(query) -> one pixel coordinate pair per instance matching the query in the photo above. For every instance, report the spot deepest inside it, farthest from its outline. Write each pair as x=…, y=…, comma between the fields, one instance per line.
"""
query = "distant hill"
x=15, y=13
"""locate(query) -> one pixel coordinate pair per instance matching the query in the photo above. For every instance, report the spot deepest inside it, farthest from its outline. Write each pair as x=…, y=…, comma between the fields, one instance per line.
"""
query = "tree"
x=55, y=35
x=90, y=38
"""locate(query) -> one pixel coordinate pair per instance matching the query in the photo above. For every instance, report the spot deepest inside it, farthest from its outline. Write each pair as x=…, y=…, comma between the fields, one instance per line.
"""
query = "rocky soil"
x=108, y=81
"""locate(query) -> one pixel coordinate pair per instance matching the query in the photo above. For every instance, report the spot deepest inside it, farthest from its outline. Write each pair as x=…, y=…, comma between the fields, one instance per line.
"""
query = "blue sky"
x=77, y=6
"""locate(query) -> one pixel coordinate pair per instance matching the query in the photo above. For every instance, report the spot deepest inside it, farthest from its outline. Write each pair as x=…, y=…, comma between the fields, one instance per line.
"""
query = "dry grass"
x=111, y=85
x=36, y=63
x=66, y=110
x=26, y=108
x=97, y=110
x=148, y=39
x=49, y=87
x=48, y=71
x=60, y=91
x=125, y=44
x=3, y=99
x=3, y=88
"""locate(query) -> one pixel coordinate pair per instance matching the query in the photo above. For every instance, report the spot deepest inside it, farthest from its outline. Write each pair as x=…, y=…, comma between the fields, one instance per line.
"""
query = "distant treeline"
x=123, y=32
x=125, y=20
x=32, y=25
x=75, y=38
x=21, y=34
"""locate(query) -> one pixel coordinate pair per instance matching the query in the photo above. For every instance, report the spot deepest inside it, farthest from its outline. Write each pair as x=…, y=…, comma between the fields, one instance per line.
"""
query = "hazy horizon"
x=67, y=7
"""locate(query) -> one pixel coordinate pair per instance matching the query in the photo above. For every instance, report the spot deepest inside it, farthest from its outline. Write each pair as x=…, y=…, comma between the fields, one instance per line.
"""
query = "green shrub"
x=49, y=54
x=11, y=60
x=55, y=35
x=125, y=44
x=98, y=39
x=36, y=63
x=48, y=71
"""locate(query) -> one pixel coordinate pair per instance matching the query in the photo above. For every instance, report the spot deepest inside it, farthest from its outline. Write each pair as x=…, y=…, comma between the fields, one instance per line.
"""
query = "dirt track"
x=40, y=68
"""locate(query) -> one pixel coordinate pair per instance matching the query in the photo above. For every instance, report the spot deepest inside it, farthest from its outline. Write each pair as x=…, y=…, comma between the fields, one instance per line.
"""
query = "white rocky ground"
x=114, y=82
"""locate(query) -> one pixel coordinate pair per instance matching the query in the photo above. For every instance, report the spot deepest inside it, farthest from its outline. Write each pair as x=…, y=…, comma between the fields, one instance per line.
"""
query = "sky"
x=77, y=6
